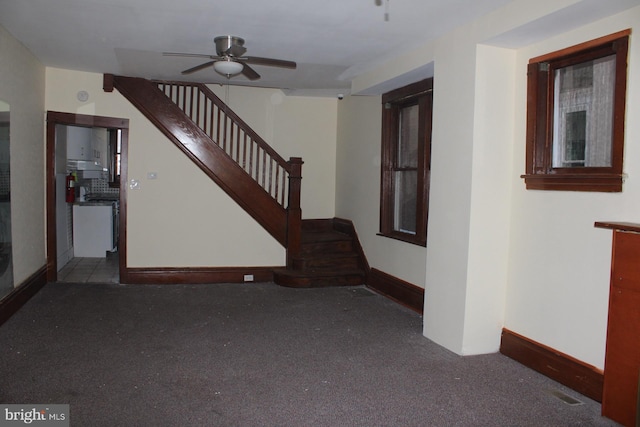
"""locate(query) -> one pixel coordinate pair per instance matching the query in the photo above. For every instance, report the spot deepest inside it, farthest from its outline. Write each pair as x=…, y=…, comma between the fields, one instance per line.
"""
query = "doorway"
x=113, y=126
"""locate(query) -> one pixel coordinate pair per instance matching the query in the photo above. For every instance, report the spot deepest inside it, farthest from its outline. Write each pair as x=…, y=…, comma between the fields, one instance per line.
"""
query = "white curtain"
x=588, y=88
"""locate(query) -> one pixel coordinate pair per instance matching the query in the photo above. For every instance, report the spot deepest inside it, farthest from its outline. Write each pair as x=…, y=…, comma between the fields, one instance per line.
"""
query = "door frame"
x=55, y=118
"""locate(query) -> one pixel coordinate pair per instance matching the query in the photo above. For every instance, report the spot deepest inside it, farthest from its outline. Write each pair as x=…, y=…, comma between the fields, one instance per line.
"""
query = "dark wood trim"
x=11, y=303
x=610, y=183
x=55, y=118
x=294, y=211
x=420, y=94
x=408, y=91
x=580, y=47
x=402, y=292
x=197, y=275
x=540, y=172
x=620, y=226
x=560, y=367
x=107, y=83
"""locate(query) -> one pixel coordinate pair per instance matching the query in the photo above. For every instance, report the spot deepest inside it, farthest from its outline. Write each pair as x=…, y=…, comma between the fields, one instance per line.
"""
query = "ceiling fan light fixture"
x=228, y=67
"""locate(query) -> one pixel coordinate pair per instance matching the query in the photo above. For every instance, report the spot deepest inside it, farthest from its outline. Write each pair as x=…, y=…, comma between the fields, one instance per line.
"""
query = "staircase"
x=330, y=256
x=267, y=187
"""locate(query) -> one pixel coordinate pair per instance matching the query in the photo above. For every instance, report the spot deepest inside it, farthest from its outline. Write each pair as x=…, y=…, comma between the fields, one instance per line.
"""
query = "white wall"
x=497, y=255
x=490, y=198
x=559, y=263
x=182, y=219
x=295, y=127
x=22, y=82
x=358, y=190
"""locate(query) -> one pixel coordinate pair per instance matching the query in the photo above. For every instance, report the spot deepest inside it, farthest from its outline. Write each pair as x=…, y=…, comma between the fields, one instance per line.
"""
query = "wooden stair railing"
x=253, y=174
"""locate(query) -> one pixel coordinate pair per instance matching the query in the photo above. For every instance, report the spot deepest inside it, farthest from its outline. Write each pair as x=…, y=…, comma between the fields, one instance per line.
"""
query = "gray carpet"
x=259, y=355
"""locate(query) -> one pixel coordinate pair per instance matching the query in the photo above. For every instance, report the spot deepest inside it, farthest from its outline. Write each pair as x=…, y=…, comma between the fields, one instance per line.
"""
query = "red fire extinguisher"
x=71, y=188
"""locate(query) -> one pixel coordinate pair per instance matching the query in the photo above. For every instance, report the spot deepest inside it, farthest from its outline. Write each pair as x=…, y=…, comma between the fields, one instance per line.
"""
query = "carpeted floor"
x=259, y=355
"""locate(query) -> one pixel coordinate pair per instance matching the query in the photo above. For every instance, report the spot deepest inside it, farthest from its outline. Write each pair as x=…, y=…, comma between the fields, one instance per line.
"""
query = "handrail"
x=205, y=109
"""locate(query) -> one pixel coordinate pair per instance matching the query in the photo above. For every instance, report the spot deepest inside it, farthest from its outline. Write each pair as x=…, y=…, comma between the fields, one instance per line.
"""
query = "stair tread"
x=323, y=236
x=328, y=258
x=320, y=273
x=329, y=255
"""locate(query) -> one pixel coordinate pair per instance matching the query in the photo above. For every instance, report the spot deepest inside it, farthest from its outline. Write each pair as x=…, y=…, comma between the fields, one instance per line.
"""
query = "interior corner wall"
x=22, y=86
x=469, y=210
x=182, y=218
x=358, y=188
x=450, y=192
x=490, y=199
x=559, y=264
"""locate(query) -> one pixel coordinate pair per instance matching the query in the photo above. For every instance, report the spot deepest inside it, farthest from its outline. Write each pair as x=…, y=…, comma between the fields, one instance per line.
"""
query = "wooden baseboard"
x=560, y=367
x=196, y=275
x=23, y=293
x=405, y=293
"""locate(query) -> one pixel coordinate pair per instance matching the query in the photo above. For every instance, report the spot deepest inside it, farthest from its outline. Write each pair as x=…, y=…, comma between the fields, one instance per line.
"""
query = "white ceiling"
x=331, y=40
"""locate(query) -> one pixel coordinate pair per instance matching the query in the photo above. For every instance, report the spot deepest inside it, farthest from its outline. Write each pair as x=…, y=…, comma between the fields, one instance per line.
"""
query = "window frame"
x=421, y=94
x=539, y=172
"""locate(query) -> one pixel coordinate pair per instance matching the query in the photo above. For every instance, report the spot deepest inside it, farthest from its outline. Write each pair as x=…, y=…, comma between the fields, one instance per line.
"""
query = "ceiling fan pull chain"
x=386, y=11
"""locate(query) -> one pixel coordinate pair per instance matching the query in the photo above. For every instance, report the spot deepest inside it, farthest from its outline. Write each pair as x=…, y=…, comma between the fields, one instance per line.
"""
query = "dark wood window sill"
x=407, y=238
x=611, y=183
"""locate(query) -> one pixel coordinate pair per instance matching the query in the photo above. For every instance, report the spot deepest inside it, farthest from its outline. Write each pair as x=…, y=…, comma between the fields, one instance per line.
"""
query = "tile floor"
x=91, y=270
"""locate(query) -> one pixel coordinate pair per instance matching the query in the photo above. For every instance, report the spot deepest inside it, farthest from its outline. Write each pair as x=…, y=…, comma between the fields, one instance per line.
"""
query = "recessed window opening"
x=406, y=151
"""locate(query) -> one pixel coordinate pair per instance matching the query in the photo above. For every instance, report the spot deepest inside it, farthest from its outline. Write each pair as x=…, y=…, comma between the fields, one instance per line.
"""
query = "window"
x=575, y=117
x=406, y=150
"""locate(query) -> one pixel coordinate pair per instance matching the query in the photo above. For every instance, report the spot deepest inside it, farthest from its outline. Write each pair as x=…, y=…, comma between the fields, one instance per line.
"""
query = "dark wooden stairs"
x=330, y=256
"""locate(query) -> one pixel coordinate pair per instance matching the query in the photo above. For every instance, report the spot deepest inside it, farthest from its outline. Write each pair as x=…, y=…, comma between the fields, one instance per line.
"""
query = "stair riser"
x=345, y=263
x=327, y=247
x=328, y=258
x=314, y=282
x=315, y=225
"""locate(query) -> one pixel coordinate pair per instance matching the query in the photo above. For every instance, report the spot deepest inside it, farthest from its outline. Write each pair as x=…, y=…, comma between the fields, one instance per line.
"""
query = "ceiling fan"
x=229, y=61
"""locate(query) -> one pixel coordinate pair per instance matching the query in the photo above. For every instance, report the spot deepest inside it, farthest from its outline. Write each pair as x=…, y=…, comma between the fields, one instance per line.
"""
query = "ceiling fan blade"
x=270, y=62
x=198, y=67
x=249, y=72
x=190, y=55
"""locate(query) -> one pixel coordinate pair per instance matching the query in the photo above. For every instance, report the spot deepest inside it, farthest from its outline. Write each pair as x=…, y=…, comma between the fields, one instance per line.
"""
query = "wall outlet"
x=248, y=277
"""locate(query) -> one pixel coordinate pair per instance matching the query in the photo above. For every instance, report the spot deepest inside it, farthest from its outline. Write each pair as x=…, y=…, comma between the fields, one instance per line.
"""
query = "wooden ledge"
x=620, y=226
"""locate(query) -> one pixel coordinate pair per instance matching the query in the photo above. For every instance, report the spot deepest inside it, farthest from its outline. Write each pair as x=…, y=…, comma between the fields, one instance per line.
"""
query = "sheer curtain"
x=583, y=114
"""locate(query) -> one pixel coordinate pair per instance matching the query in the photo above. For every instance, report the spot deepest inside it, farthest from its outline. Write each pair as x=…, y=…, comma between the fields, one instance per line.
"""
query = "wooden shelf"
x=621, y=226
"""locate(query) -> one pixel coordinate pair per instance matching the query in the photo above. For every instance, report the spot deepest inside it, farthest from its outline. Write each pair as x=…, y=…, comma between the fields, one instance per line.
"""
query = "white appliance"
x=93, y=232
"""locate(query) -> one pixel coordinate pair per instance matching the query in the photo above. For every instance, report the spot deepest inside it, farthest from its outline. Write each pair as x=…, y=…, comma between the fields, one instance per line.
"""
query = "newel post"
x=294, y=212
